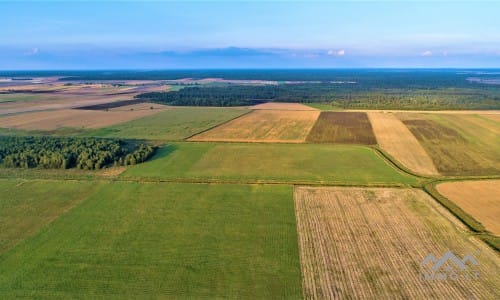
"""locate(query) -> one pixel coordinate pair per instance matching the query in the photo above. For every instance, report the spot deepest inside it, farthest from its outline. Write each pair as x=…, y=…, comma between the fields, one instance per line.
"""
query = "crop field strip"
x=365, y=243
x=28, y=206
x=269, y=126
x=458, y=144
x=172, y=124
x=51, y=120
x=255, y=162
x=480, y=199
x=395, y=138
x=343, y=128
x=160, y=240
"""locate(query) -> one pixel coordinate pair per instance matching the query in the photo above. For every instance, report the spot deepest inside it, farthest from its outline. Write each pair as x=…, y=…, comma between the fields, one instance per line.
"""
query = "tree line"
x=343, y=95
x=70, y=152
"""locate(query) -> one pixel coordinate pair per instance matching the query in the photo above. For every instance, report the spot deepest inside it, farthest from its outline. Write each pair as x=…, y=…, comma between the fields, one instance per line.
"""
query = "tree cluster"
x=69, y=152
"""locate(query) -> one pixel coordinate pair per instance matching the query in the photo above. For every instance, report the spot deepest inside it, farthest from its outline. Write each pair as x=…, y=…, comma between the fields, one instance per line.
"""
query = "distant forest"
x=379, y=78
x=369, y=88
x=70, y=152
x=334, y=95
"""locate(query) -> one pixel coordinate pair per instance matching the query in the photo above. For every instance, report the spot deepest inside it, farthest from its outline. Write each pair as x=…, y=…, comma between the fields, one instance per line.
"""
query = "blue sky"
x=169, y=34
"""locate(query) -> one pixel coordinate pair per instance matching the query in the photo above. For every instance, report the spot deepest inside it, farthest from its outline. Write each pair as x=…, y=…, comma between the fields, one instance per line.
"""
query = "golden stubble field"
x=369, y=243
x=480, y=199
x=272, y=126
x=394, y=137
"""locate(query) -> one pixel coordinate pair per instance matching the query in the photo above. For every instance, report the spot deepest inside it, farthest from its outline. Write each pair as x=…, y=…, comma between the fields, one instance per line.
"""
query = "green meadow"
x=290, y=163
x=158, y=240
x=171, y=125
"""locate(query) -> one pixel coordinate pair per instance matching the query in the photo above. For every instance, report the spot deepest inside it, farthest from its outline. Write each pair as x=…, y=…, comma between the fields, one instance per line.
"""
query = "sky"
x=248, y=34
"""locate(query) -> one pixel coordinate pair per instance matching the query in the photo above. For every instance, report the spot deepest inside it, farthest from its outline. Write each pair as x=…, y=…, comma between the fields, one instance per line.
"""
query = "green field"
x=28, y=206
x=303, y=163
x=458, y=144
x=171, y=125
x=20, y=97
x=159, y=240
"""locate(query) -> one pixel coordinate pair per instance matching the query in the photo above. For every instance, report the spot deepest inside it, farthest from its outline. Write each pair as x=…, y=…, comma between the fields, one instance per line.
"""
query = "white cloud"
x=33, y=51
x=426, y=53
x=336, y=53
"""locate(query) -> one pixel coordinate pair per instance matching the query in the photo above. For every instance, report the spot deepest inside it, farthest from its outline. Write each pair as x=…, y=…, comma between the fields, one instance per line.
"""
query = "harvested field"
x=395, y=138
x=264, y=126
x=51, y=120
x=62, y=96
x=458, y=144
x=282, y=106
x=480, y=199
x=492, y=117
x=370, y=243
x=342, y=127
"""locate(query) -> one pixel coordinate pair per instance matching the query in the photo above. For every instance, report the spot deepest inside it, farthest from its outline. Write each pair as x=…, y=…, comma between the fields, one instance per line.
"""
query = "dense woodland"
x=70, y=152
x=345, y=95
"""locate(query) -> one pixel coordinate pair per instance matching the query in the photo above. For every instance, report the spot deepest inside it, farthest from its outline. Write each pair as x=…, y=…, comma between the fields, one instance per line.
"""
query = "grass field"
x=342, y=127
x=458, y=144
x=175, y=124
x=397, y=140
x=270, y=162
x=146, y=240
x=480, y=199
x=264, y=126
x=359, y=243
x=28, y=206
x=18, y=97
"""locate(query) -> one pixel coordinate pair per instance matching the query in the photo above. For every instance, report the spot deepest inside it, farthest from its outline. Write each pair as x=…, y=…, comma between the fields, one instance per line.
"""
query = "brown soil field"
x=342, y=127
x=459, y=144
x=397, y=140
x=264, y=126
x=480, y=199
x=58, y=96
x=370, y=243
x=51, y=120
x=282, y=106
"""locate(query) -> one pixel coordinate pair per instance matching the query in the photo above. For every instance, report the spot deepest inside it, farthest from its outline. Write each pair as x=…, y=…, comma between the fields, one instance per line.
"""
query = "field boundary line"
x=216, y=181
x=217, y=125
x=51, y=220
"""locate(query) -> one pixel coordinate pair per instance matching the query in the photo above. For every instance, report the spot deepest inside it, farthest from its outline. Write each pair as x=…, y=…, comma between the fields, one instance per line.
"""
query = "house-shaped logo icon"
x=449, y=257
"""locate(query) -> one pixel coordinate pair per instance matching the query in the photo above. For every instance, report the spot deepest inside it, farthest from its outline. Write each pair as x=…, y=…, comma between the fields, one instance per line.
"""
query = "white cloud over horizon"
x=426, y=53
